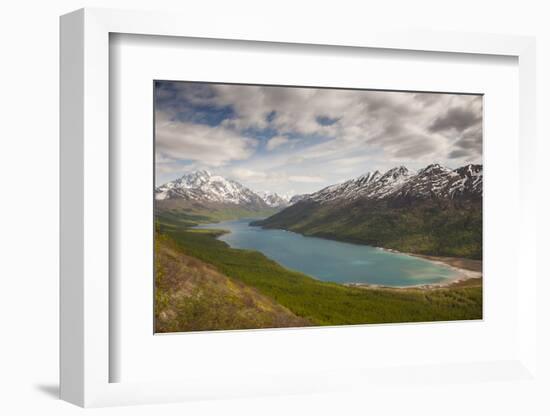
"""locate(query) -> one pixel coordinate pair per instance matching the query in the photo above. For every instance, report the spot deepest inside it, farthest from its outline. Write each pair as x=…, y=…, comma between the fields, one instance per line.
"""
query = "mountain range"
x=275, y=200
x=398, y=185
x=433, y=211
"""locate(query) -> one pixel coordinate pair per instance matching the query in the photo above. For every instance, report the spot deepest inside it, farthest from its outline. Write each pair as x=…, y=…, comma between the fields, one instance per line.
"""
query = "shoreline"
x=462, y=263
x=470, y=265
x=468, y=272
x=449, y=284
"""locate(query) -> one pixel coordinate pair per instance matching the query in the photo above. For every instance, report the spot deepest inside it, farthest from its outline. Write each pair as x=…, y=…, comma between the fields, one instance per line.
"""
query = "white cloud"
x=306, y=179
x=377, y=119
x=248, y=175
x=211, y=146
x=371, y=130
x=277, y=141
x=271, y=178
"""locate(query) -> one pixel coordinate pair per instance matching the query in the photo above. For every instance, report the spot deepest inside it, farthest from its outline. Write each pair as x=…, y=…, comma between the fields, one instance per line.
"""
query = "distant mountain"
x=275, y=200
x=203, y=187
x=435, y=210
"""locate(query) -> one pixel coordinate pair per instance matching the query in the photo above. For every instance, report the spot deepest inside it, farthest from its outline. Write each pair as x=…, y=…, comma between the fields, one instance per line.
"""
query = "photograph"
x=282, y=206
x=233, y=208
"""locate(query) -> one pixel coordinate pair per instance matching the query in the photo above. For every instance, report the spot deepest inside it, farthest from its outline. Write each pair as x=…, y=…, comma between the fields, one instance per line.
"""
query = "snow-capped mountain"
x=441, y=182
x=372, y=184
x=398, y=183
x=202, y=186
x=434, y=210
x=275, y=200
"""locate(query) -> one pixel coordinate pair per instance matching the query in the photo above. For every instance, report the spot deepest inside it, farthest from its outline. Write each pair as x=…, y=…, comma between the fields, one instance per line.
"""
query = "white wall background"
x=29, y=205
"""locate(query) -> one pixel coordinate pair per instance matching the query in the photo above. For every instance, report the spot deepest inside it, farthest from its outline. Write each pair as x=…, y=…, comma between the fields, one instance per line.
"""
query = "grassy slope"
x=193, y=296
x=428, y=228
x=323, y=303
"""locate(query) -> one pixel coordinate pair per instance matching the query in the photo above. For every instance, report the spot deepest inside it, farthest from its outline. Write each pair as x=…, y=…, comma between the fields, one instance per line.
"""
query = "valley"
x=436, y=211
x=432, y=213
x=316, y=302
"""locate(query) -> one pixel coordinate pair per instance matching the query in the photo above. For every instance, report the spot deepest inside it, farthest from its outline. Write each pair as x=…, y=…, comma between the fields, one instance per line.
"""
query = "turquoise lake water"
x=333, y=261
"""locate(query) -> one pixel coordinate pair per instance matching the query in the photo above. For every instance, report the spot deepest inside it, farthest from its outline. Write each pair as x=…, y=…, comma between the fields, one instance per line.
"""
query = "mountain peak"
x=201, y=173
x=400, y=168
x=396, y=172
x=202, y=186
x=434, y=168
x=433, y=181
x=194, y=177
x=368, y=177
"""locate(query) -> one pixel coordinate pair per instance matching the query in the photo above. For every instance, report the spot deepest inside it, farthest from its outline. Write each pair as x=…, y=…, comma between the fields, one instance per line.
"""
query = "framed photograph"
x=268, y=213
x=286, y=206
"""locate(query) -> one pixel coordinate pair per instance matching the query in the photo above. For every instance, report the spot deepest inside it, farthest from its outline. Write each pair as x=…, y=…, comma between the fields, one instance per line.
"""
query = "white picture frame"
x=85, y=216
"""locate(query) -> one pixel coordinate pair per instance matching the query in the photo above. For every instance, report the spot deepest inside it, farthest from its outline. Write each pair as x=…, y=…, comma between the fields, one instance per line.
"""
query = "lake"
x=333, y=261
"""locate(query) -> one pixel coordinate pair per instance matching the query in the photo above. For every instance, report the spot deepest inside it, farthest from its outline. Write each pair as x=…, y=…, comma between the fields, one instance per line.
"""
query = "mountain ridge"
x=435, y=211
x=399, y=182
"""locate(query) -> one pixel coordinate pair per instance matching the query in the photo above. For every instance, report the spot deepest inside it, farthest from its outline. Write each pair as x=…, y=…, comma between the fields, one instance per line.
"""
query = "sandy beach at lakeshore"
x=468, y=273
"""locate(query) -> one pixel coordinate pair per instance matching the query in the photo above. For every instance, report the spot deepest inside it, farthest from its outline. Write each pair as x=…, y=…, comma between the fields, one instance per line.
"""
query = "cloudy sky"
x=298, y=140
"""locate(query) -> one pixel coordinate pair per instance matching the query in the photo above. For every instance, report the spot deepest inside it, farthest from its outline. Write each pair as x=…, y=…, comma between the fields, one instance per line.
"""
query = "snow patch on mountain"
x=399, y=183
x=432, y=181
x=274, y=199
x=203, y=186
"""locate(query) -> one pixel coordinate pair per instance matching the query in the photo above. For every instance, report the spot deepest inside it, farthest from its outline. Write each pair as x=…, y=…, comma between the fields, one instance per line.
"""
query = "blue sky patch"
x=326, y=121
